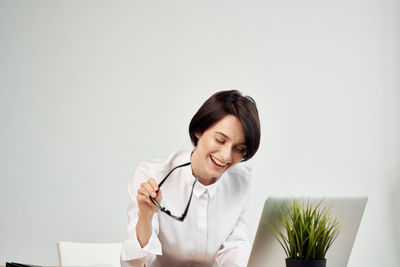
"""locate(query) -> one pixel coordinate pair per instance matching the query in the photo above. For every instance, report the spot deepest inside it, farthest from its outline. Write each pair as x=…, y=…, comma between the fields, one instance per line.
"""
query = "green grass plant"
x=310, y=230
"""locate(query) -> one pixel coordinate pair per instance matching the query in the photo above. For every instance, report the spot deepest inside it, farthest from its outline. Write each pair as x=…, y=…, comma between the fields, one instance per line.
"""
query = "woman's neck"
x=197, y=170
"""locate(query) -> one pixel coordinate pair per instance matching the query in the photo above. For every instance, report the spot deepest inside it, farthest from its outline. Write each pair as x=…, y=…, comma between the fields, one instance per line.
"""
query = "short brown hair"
x=224, y=103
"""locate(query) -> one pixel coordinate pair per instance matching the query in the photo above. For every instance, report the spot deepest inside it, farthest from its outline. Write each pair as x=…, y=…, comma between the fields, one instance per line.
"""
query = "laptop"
x=267, y=252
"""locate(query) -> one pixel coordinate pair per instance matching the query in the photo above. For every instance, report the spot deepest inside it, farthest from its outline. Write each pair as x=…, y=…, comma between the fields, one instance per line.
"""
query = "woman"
x=209, y=180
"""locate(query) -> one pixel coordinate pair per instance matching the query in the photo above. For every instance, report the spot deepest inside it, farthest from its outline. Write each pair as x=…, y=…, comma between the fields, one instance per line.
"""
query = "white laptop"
x=267, y=252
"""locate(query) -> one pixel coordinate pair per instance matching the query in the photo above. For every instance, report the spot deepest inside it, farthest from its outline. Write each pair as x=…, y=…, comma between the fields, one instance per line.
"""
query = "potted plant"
x=310, y=231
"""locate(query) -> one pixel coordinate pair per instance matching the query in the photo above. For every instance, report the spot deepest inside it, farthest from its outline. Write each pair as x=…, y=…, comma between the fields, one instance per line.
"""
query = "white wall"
x=90, y=88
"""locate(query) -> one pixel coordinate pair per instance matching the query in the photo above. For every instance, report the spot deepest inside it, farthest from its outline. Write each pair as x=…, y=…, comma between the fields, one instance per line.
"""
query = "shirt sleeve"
x=132, y=254
x=235, y=250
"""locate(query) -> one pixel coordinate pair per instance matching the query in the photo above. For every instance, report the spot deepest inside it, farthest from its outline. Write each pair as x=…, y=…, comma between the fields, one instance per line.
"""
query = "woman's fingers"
x=159, y=196
x=148, y=189
x=153, y=184
x=143, y=197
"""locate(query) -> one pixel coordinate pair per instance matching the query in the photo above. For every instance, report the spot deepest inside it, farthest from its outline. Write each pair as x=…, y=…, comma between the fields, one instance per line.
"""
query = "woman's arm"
x=142, y=244
x=143, y=230
x=146, y=209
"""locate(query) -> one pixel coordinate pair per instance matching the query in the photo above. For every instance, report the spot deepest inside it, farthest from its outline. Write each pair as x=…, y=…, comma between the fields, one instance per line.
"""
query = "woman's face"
x=219, y=148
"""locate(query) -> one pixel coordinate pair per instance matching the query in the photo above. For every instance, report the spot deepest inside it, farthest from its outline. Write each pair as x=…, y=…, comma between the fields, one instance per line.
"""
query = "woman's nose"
x=227, y=154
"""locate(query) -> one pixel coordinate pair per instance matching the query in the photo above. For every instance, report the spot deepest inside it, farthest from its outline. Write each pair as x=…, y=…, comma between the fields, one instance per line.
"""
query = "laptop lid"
x=267, y=252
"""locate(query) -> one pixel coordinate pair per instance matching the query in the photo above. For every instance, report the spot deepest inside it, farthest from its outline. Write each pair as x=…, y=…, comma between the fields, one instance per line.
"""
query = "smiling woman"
x=218, y=148
x=225, y=131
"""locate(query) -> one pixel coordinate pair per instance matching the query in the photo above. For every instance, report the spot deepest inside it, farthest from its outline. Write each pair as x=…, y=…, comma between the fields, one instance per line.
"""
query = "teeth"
x=219, y=163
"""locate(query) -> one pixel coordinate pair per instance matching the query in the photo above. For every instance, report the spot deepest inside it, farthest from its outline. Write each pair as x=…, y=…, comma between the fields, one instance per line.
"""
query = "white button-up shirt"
x=214, y=231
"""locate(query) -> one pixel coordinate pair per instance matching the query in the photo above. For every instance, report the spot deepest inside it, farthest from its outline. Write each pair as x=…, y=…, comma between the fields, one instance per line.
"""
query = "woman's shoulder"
x=161, y=164
x=241, y=170
x=239, y=180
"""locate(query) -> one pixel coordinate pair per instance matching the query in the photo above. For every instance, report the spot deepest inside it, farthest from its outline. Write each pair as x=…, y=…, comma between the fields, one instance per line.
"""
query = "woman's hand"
x=146, y=207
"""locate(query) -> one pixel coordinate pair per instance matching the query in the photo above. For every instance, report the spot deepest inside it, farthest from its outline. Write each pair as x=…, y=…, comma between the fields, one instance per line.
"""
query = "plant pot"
x=305, y=263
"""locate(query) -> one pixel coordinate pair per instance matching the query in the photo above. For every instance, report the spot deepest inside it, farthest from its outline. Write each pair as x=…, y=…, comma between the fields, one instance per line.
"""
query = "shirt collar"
x=200, y=189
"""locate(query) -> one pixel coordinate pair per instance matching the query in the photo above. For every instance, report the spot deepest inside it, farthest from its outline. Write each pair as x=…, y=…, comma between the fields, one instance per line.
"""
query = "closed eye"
x=241, y=150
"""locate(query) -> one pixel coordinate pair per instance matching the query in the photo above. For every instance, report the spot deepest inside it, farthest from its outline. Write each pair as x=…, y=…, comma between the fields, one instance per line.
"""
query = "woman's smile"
x=218, y=162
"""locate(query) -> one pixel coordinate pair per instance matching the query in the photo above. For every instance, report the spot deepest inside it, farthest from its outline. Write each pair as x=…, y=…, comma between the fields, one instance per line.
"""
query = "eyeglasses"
x=163, y=209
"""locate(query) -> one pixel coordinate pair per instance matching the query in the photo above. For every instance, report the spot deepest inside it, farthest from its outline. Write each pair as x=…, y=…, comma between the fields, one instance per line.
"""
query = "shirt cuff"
x=131, y=248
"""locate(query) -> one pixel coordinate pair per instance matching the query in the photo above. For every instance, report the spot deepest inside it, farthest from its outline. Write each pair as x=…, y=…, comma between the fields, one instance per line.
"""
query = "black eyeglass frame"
x=163, y=209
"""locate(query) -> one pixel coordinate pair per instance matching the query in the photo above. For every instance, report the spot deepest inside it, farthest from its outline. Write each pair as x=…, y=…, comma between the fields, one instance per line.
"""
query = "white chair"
x=85, y=254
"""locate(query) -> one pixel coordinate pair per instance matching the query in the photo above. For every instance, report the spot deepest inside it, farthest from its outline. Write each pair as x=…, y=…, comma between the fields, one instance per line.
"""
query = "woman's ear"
x=198, y=135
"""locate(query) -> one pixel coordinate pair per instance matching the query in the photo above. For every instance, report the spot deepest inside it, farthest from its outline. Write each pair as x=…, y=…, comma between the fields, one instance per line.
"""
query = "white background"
x=88, y=89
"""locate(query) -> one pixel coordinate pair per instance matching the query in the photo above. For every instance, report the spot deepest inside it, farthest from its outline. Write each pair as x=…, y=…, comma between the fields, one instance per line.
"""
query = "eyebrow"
x=227, y=137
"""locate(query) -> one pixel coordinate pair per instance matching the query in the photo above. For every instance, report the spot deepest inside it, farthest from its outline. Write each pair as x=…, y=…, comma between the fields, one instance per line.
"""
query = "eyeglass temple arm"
x=190, y=199
x=163, y=180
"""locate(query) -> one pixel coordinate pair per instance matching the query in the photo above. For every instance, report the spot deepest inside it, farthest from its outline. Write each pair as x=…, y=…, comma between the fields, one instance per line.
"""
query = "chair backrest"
x=84, y=254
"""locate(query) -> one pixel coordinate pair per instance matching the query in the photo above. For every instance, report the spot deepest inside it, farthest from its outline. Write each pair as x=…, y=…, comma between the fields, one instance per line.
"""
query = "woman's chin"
x=216, y=170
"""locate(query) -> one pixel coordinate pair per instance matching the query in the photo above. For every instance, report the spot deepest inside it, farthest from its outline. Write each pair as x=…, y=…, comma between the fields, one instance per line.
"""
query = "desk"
x=94, y=265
